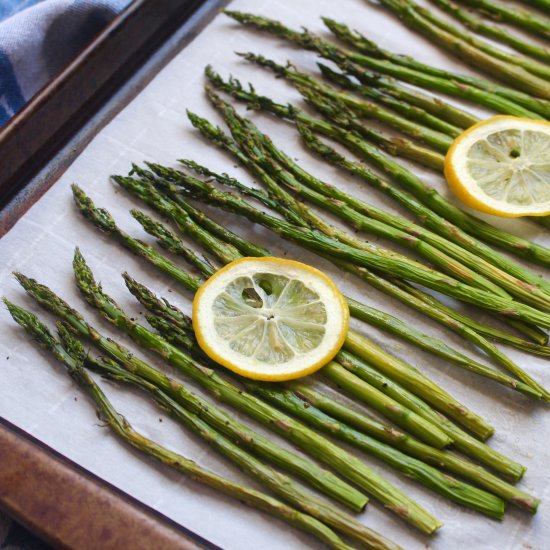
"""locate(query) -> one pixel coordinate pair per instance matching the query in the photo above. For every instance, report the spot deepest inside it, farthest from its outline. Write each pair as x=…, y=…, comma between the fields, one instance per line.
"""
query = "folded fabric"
x=39, y=41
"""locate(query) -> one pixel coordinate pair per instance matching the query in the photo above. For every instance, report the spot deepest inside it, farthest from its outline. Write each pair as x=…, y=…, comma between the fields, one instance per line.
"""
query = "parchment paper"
x=38, y=396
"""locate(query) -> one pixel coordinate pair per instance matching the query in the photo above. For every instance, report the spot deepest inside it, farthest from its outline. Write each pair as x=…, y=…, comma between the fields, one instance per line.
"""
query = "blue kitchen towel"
x=38, y=41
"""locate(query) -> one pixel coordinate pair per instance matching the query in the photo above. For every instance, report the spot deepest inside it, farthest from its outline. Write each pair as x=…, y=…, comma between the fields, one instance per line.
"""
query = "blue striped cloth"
x=38, y=38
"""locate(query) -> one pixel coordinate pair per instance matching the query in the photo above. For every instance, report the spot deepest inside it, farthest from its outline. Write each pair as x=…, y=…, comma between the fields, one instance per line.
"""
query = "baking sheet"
x=37, y=396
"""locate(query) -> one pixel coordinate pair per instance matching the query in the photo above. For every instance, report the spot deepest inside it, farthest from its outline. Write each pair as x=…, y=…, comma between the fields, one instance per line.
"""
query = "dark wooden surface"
x=53, y=497
x=70, y=509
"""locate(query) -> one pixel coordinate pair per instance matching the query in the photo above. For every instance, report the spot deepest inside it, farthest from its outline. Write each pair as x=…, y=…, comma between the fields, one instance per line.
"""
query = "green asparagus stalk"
x=428, y=476
x=279, y=483
x=215, y=231
x=289, y=489
x=319, y=242
x=492, y=333
x=531, y=22
x=521, y=73
x=435, y=139
x=409, y=235
x=389, y=85
x=220, y=232
x=184, y=222
x=464, y=442
x=456, y=322
x=422, y=191
x=540, y=4
x=409, y=445
x=105, y=222
x=404, y=108
x=173, y=326
x=335, y=372
x=432, y=77
x=319, y=478
x=478, y=25
x=350, y=467
x=455, y=85
x=432, y=220
x=172, y=243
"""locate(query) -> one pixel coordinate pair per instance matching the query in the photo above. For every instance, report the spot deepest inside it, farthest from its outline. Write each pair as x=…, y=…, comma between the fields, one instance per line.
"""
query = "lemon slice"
x=270, y=318
x=501, y=166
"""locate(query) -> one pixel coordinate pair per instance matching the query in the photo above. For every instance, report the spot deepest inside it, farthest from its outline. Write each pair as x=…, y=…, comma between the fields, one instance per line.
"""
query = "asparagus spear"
x=426, y=215
x=466, y=443
x=495, y=32
x=420, y=189
x=455, y=85
x=409, y=445
x=389, y=85
x=170, y=242
x=120, y=425
x=453, y=489
x=448, y=317
x=519, y=72
x=319, y=242
x=171, y=322
x=435, y=139
x=461, y=440
x=534, y=23
x=350, y=467
x=404, y=108
x=421, y=73
x=170, y=328
x=347, y=207
x=391, y=408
